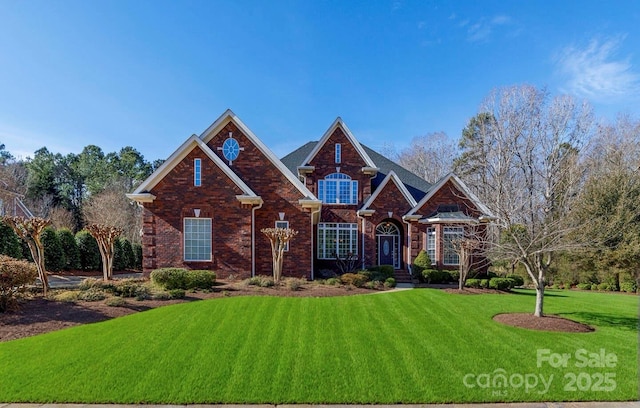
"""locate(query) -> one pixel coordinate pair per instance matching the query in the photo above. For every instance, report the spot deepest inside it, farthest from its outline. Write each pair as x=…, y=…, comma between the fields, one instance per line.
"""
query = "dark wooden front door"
x=386, y=247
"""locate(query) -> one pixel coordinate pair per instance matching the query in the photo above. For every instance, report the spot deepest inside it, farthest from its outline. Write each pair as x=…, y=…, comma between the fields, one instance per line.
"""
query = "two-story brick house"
x=205, y=206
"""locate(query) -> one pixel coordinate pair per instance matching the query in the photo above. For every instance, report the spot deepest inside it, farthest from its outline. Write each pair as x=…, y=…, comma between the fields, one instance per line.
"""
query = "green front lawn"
x=418, y=346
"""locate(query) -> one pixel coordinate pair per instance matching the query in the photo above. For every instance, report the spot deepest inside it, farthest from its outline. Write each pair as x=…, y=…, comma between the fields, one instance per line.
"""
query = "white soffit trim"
x=227, y=116
x=396, y=180
x=339, y=123
x=182, y=152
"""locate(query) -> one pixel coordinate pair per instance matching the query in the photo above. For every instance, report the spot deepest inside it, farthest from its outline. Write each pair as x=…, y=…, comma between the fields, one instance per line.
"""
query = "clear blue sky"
x=150, y=73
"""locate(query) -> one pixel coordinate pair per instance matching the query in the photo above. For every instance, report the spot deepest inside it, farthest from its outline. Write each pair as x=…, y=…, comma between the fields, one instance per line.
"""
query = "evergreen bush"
x=70, y=249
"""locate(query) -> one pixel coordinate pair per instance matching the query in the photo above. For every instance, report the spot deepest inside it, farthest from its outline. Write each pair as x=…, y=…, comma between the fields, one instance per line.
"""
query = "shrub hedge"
x=355, y=279
x=15, y=276
x=179, y=278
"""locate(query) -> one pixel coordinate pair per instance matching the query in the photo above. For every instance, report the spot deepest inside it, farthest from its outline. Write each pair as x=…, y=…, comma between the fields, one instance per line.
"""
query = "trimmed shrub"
x=54, y=259
x=500, y=283
x=137, y=256
x=200, y=279
x=295, y=284
x=584, y=286
x=355, y=279
x=594, y=286
x=517, y=279
x=628, y=286
x=92, y=295
x=177, y=294
x=484, y=283
x=435, y=276
x=473, y=283
x=70, y=249
x=381, y=272
x=332, y=281
x=170, y=278
x=267, y=282
x=10, y=244
x=127, y=288
x=15, y=276
x=390, y=283
x=421, y=263
x=66, y=296
x=115, y=302
x=454, y=276
x=90, y=259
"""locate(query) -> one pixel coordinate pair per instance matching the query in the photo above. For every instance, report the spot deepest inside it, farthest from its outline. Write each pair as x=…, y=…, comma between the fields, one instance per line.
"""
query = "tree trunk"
x=539, y=298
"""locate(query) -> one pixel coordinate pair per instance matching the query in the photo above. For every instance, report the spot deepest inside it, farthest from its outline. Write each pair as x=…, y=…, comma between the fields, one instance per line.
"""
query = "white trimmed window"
x=197, y=172
x=431, y=244
x=197, y=239
x=337, y=239
x=338, y=153
x=449, y=235
x=283, y=224
x=338, y=188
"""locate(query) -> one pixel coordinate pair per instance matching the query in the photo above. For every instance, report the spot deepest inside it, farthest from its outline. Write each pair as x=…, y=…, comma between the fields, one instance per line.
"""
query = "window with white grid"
x=449, y=235
x=431, y=244
x=339, y=239
x=338, y=188
x=197, y=239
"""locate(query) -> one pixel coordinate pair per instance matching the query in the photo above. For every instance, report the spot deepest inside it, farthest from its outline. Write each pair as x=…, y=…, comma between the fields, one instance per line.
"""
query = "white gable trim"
x=229, y=116
x=396, y=180
x=339, y=123
x=179, y=155
x=460, y=185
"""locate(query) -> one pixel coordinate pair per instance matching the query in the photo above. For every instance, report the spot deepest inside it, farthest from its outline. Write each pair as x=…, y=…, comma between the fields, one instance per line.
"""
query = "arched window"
x=338, y=188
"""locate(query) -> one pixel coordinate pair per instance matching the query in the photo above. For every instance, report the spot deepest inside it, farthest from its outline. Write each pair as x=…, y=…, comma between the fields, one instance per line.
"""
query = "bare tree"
x=471, y=252
x=30, y=230
x=528, y=173
x=278, y=238
x=106, y=236
x=430, y=156
x=112, y=207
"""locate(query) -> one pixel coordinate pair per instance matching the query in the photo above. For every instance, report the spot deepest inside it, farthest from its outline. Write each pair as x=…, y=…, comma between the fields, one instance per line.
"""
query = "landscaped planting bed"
x=417, y=346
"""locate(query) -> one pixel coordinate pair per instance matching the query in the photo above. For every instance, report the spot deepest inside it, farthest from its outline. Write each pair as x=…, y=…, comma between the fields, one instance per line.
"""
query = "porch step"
x=402, y=276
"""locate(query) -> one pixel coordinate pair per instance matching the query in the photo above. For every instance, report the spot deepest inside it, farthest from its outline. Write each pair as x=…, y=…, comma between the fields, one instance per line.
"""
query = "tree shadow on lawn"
x=546, y=293
x=603, y=320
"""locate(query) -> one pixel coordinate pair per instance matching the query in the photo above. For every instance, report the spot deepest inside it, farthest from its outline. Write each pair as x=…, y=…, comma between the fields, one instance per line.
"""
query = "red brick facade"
x=255, y=190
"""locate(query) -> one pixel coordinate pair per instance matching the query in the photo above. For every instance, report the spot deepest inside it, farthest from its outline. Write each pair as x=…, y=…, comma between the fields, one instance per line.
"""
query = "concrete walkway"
x=634, y=404
x=60, y=282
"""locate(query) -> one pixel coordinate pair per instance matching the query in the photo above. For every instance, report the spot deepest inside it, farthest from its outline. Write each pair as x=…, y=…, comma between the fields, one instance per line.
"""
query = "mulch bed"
x=38, y=315
x=546, y=323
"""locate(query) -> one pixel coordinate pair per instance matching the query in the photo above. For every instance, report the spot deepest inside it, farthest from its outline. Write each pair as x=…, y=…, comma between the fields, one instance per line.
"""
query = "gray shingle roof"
x=417, y=186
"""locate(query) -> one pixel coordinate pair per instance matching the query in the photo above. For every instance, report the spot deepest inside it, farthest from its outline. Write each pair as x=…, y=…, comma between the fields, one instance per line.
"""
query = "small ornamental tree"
x=105, y=235
x=278, y=238
x=30, y=231
x=465, y=248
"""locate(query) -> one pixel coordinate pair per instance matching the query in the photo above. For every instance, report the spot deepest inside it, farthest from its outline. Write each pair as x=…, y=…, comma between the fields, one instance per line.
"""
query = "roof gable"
x=338, y=123
x=393, y=177
x=229, y=116
x=460, y=185
x=177, y=157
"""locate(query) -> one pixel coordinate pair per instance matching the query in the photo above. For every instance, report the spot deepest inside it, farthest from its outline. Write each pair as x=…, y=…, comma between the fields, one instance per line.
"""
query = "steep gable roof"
x=460, y=185
x=393, y=177
x=142, y=193
x=338, y=123
x=417, y=186
x=227, y=116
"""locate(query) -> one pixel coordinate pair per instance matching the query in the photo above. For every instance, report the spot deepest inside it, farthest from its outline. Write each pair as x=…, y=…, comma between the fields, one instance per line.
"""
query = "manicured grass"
x=405, y=347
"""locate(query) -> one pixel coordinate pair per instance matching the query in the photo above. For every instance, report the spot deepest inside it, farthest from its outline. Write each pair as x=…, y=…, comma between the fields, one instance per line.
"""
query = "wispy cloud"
x=597, y=72
x=481, y=30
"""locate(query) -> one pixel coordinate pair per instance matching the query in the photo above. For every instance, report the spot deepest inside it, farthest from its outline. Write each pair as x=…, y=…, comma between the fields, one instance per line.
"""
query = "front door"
x=386, y=245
